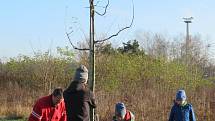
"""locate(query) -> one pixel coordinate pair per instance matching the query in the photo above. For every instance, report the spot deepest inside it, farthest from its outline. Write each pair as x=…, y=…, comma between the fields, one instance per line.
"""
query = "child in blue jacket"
x=181, y=110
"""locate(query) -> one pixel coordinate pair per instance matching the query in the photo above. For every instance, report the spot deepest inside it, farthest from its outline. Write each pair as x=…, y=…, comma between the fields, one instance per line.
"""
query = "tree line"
x=144, y=73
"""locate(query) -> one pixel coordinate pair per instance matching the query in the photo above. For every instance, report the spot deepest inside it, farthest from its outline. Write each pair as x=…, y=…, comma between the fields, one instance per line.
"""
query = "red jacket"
x=129, y=116
x=44, y=110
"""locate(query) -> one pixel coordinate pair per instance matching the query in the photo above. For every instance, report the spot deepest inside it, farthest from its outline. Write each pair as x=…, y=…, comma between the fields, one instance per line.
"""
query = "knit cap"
x=81, y=74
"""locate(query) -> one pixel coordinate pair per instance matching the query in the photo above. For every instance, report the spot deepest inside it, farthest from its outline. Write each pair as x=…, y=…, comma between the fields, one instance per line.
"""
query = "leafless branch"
x=70, y=33
x=97, y=3
x=80, y=29
x=102, y=14
x=117, y=33
x=32, y=47
x=67, y=34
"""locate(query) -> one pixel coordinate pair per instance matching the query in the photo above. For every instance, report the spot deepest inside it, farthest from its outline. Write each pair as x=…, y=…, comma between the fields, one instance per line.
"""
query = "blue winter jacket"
x=182, y=113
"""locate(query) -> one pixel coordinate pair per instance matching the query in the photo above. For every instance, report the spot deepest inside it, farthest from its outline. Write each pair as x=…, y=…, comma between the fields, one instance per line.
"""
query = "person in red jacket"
x=49, y=108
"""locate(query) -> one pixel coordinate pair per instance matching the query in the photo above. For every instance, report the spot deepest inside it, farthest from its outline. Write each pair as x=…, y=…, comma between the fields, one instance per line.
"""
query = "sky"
x=28, y=26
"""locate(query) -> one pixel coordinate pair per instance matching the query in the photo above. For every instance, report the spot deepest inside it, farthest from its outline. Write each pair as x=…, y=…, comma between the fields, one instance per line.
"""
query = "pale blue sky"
x=27, y=25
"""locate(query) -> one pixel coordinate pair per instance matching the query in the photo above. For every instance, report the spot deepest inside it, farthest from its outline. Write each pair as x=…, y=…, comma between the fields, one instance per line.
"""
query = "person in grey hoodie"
x=78, y=97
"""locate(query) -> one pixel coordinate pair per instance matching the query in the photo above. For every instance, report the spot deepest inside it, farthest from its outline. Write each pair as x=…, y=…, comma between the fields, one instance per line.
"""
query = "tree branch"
x=67, y=34
x=117, y=33
x=102, y=14
x=97, y=3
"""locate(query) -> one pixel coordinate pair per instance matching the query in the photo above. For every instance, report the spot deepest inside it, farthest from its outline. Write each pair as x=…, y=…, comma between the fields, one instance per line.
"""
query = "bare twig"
x=67, y=34
x=79, y=29
x=70, y=32
x=117, y=33
x=97, y=3
x=102, y=14
x=32, y=48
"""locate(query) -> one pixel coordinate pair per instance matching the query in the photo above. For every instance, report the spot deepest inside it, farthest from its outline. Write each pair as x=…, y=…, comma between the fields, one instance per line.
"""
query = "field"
x=146, y=83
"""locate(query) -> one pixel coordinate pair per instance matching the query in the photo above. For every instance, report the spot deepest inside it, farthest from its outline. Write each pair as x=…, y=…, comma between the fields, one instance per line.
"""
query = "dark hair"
x=58, y=92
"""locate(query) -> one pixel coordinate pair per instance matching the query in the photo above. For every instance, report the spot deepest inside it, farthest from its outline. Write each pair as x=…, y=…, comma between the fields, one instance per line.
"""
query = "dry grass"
x=14, y=111
x=152, y=105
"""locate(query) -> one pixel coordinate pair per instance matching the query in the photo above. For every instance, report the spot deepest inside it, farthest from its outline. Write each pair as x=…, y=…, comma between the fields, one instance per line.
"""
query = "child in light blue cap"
x=122, y=114
x=181, y=110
